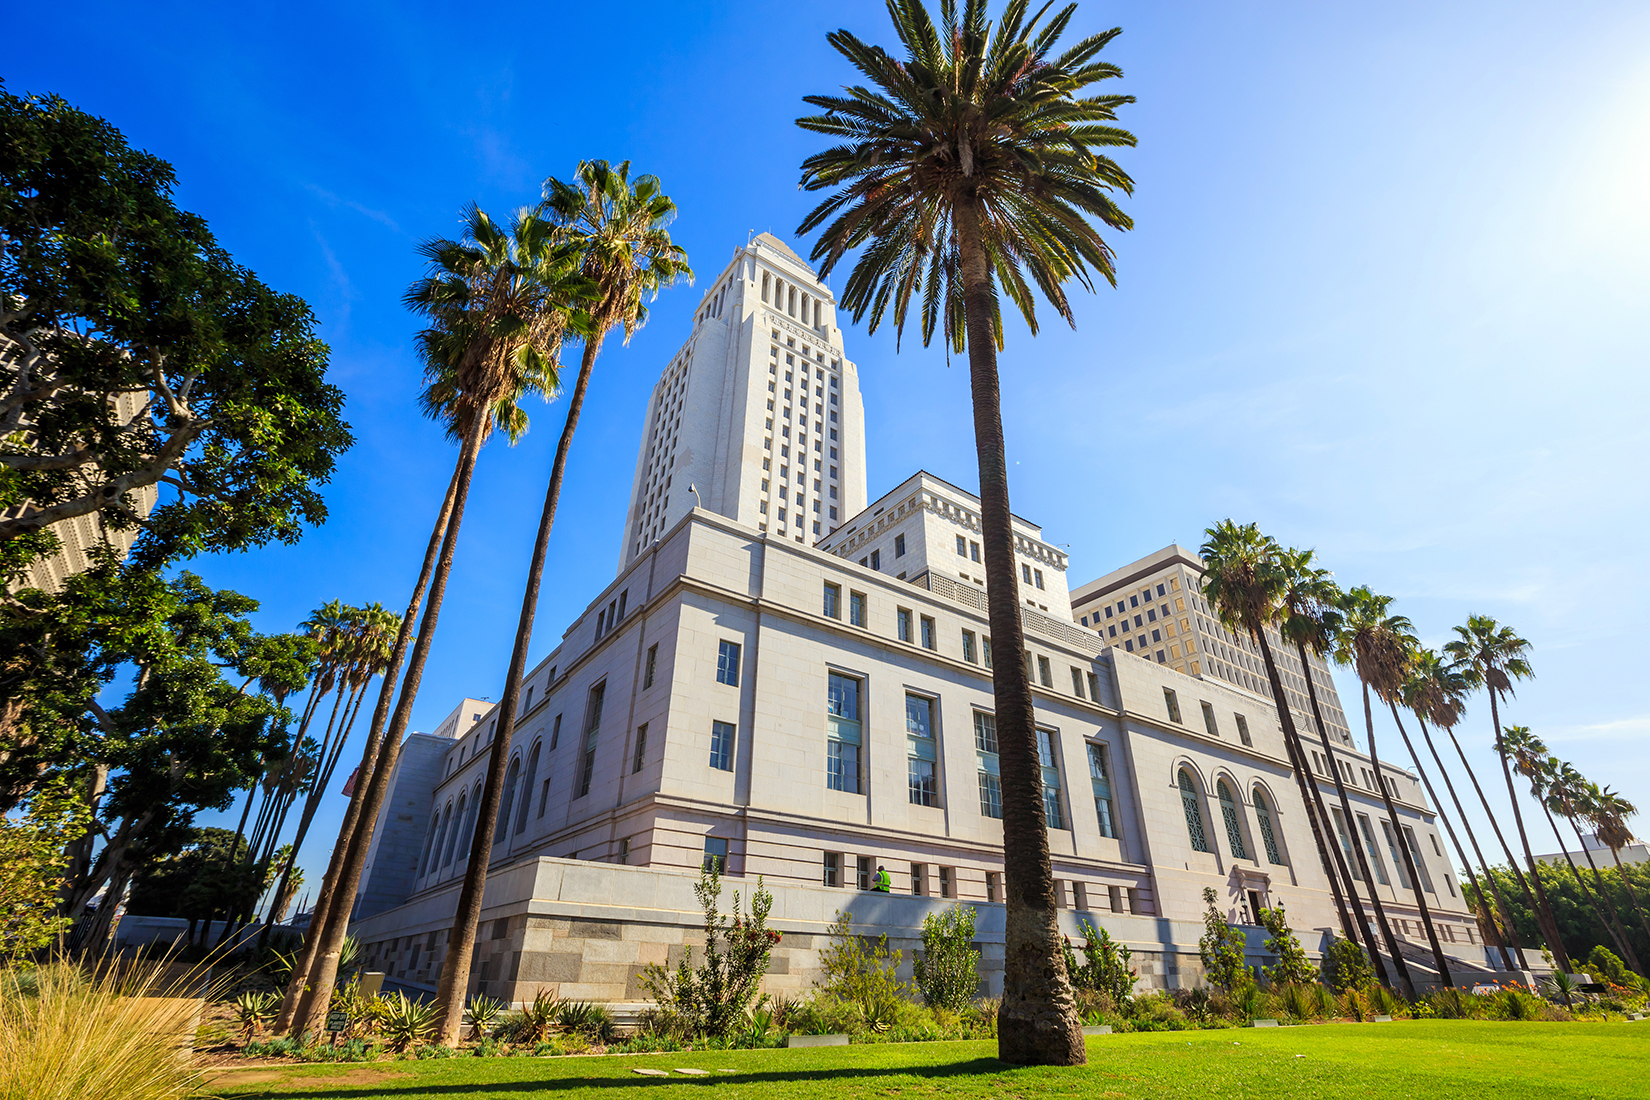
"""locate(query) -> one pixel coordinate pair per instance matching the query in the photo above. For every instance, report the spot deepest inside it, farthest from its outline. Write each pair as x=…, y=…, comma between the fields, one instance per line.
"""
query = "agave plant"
x=252, y=1012
x=483, y=1011
x=406, y=1022
x=540, y=1018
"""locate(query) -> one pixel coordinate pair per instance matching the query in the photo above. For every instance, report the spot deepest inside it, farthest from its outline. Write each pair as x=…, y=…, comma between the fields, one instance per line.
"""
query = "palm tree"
x=1608, y=812
x=1377, y=646
x=1306, y=616
x=1493, y=656
x=969, y=163
x=1560, y=789
x=1248, y=582
x=495, y=302
x=1433, y=689
x=613, y=233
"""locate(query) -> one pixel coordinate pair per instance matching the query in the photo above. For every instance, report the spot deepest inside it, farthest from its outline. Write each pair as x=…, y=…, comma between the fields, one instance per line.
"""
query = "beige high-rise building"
x=759, y=412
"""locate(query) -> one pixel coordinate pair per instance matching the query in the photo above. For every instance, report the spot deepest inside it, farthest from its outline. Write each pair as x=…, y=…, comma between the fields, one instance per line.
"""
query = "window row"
x=1233, y=820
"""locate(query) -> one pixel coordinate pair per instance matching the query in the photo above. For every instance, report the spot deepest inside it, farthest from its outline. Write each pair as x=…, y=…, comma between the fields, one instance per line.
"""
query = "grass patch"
x=1406, y=1060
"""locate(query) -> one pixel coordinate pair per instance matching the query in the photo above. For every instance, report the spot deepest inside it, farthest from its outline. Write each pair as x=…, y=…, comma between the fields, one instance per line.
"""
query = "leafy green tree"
x=1292, y=966
x=611, y=247
x=135, y=354
x=713, y=997
x=947, y=971
x=969, y=169
x=1105, y=966
x=858, y=969
x=1578, y=918
x=33, y=859
x=1346, y=966
x=1221, y=947
x=1608, y=812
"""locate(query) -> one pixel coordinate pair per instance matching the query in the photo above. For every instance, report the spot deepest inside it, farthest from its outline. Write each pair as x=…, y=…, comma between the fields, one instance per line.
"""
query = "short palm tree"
x=1608, y=812
x=1434, y=691
x=1378, y=646
x=1493, y=656
x=496, y=306
x=970, y=168
x=613, y=236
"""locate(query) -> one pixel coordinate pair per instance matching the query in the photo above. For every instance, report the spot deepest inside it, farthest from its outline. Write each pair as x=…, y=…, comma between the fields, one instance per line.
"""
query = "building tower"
x=759, y=410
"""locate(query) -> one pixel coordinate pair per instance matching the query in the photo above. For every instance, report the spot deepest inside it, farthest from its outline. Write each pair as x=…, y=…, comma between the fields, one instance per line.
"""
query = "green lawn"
x=1459, y=1059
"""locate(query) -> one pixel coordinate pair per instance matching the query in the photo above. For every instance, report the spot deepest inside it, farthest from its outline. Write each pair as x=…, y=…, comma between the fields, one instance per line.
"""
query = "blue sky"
x=1386, y=294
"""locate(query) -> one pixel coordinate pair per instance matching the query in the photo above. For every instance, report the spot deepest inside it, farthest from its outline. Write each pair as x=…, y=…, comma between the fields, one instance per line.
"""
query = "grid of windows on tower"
x=791, y=506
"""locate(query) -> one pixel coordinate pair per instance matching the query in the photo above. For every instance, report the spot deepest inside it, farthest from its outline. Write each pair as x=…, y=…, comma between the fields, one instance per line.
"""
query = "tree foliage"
x=136, y=355
x=33, y=860
x=1105, y=966
x=1221, y=947
x=1578, y=919
x=1292, y=964
x=1346, y=966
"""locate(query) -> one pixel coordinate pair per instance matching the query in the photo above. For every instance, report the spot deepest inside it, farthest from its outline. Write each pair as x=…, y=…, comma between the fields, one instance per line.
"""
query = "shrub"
x=1384, y=1002
x=947, y=971
x=1222, y=948
x=436, y=1050
x=713, y=998
x=1323, y=1001
x=1345, y=966
x=483, y=1011
x=1156, y=1012
x=859, y=970
x=1292, y=966
x=1451, y=1004
x=66, y=1035
x=590, y=1020
x=1105, y=966
x=535, y=1022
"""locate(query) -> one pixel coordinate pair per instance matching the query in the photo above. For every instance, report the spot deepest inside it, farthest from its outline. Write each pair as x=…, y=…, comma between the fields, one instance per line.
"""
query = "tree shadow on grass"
x=970, y=1068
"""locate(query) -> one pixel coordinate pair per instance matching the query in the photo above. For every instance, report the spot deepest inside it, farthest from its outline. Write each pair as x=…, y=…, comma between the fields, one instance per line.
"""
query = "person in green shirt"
x=882, y=884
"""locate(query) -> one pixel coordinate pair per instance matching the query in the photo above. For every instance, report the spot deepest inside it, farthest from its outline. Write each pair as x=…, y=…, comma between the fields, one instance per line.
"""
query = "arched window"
x=458, y=827
x=527, y=789
x=510, y=778
x=470, y=823
x=1194, y=816
x=1229, y=813
x=441, y=836
x=429, y=842
x=1263, y=815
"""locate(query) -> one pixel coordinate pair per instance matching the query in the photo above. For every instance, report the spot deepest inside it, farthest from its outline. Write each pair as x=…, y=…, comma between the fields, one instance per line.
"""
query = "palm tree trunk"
x=1512, y=862
x=1606, y=913
x=305, y=963
x=1544, y=912
x=454, y=985
x=1631, y=893
x=1037, y=1020
x=1316, y=798
x=1398, y=962
x=1358, y=852
x=315, y=1000
x=1454, y=840
x=1403, y=848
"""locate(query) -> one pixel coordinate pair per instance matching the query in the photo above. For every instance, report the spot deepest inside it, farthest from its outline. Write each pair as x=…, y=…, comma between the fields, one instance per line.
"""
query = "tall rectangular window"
x=918, y=886
x=899, y=546
x=1077, y=682
x=1397, y=856
x=1047, y=759
x=876, y=559
x=1100, y=778
x=973, y=551
x=555, y=736
x=1346, y=843
x=842, y=733
x=716, y=854
x=968, y=646
x=833, y=869
x=903, y=620
x=1045, y=673
x=928, y=641
x=1209, y=720
x=727, y=664
x=962, y=547
x=922, y=753
x=863, y=872
x=721, y=746
x=833, y=602
x=1371, y=850
x=985, y=748
x=652, y=666
x=946, y=876
x=856, y=609
x=1173, y=703
x=641, y=749
x=1094, y=687
x=993, y=888
x=592, y=729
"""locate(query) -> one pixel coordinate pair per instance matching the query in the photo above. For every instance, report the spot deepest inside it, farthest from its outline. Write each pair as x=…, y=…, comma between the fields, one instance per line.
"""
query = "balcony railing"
x=1031, y=619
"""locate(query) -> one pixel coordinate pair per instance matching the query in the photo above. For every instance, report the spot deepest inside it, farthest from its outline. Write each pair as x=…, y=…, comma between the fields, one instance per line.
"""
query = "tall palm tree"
x=1248, y=583
x=613, y=233
x=1434, y=690
x=495, y=303
x=1377, y=646
x=1493, y=656
x=966, y=166
x=1306, y=617
x=1608, y=812
x=1538, y=766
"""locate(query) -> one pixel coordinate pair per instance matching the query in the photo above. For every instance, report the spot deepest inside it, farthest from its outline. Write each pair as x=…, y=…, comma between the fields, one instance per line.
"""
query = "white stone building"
x=807, y=705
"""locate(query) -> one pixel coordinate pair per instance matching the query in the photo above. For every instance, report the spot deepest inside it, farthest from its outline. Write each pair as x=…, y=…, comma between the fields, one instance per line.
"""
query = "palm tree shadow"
x=972, y=1067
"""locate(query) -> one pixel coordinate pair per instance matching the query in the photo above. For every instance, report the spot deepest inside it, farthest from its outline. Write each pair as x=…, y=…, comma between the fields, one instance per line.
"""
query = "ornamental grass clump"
x=120, y=1031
